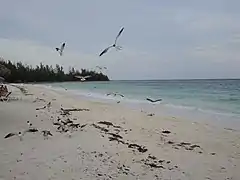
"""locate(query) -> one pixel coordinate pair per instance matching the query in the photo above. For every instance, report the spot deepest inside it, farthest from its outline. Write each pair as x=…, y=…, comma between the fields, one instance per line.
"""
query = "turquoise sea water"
x=213, y=96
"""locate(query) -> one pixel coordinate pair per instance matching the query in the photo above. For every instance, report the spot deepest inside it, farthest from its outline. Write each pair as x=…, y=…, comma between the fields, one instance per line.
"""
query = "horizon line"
x=175, y=79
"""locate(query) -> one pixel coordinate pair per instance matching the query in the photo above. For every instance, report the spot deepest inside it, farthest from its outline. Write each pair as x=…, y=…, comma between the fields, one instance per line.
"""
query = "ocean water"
x=211, y=96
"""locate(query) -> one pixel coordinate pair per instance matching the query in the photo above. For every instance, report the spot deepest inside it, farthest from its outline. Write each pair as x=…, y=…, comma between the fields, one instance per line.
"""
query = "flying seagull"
x=19, y=134
x=115, y=94
x=82, y=78
x=114, y=45
x=46, y=133
x=101, y=68
x=153, y=101
x=60, y=50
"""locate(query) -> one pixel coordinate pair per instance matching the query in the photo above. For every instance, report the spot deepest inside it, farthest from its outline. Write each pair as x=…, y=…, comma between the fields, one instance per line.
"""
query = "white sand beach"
x=116, y=143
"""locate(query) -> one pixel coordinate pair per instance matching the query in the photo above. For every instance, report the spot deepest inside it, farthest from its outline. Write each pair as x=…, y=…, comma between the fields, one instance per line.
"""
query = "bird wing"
x=62, y=47
x=121, y=95
x=50, y=133
x=87, y=76
x=10, y=135
x=82, y=126
x=80, y=77
x=99, y=67
x=105, y=50
x=149, y=99
x=153, y=101
x=31, y=130
x=120, y=32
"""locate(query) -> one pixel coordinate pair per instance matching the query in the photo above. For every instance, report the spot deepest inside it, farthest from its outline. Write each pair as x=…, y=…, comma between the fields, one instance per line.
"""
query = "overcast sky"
x=161, y=40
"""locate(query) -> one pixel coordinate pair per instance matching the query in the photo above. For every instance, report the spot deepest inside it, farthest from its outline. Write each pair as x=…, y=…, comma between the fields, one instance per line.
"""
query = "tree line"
x=19, y=72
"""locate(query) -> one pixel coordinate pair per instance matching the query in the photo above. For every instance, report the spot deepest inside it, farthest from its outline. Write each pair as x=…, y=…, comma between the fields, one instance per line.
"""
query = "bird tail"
x=118, y=48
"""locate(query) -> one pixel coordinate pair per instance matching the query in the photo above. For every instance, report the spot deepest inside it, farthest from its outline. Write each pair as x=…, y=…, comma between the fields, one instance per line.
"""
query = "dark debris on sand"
x=117, y=137
x=101, y=128
x=123, y=169
x=186, y=145
x=141, y=149
x=108, y=124
x=67, y=111
x=154, y=162
x=74, y=109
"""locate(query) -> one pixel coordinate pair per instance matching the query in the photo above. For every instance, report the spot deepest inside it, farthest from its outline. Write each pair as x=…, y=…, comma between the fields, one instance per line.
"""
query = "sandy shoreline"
x=116, y=143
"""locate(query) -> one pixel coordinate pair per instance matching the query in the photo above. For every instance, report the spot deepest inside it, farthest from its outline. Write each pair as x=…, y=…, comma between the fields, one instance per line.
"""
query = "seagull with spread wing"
x=82, y=78
x=60, y=50
x=114, y=45
x=115, y=94
x=46, y=134
x=153, y=100
x=101, y=68
x=19, y=134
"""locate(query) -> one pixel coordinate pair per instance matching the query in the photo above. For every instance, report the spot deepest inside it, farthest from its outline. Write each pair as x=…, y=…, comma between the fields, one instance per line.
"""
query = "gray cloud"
x=187, y=39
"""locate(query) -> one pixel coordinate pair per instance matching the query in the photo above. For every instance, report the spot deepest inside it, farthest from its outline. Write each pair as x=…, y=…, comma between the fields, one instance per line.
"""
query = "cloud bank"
x=162, y=40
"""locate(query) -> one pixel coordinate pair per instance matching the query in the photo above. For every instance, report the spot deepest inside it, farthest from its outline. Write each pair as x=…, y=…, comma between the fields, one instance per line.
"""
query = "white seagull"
x=82, y=78
x=60, y=50
x=114, y=45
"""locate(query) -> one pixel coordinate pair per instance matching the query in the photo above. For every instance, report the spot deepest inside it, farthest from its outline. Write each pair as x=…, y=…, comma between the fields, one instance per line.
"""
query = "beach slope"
x=108, y=141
